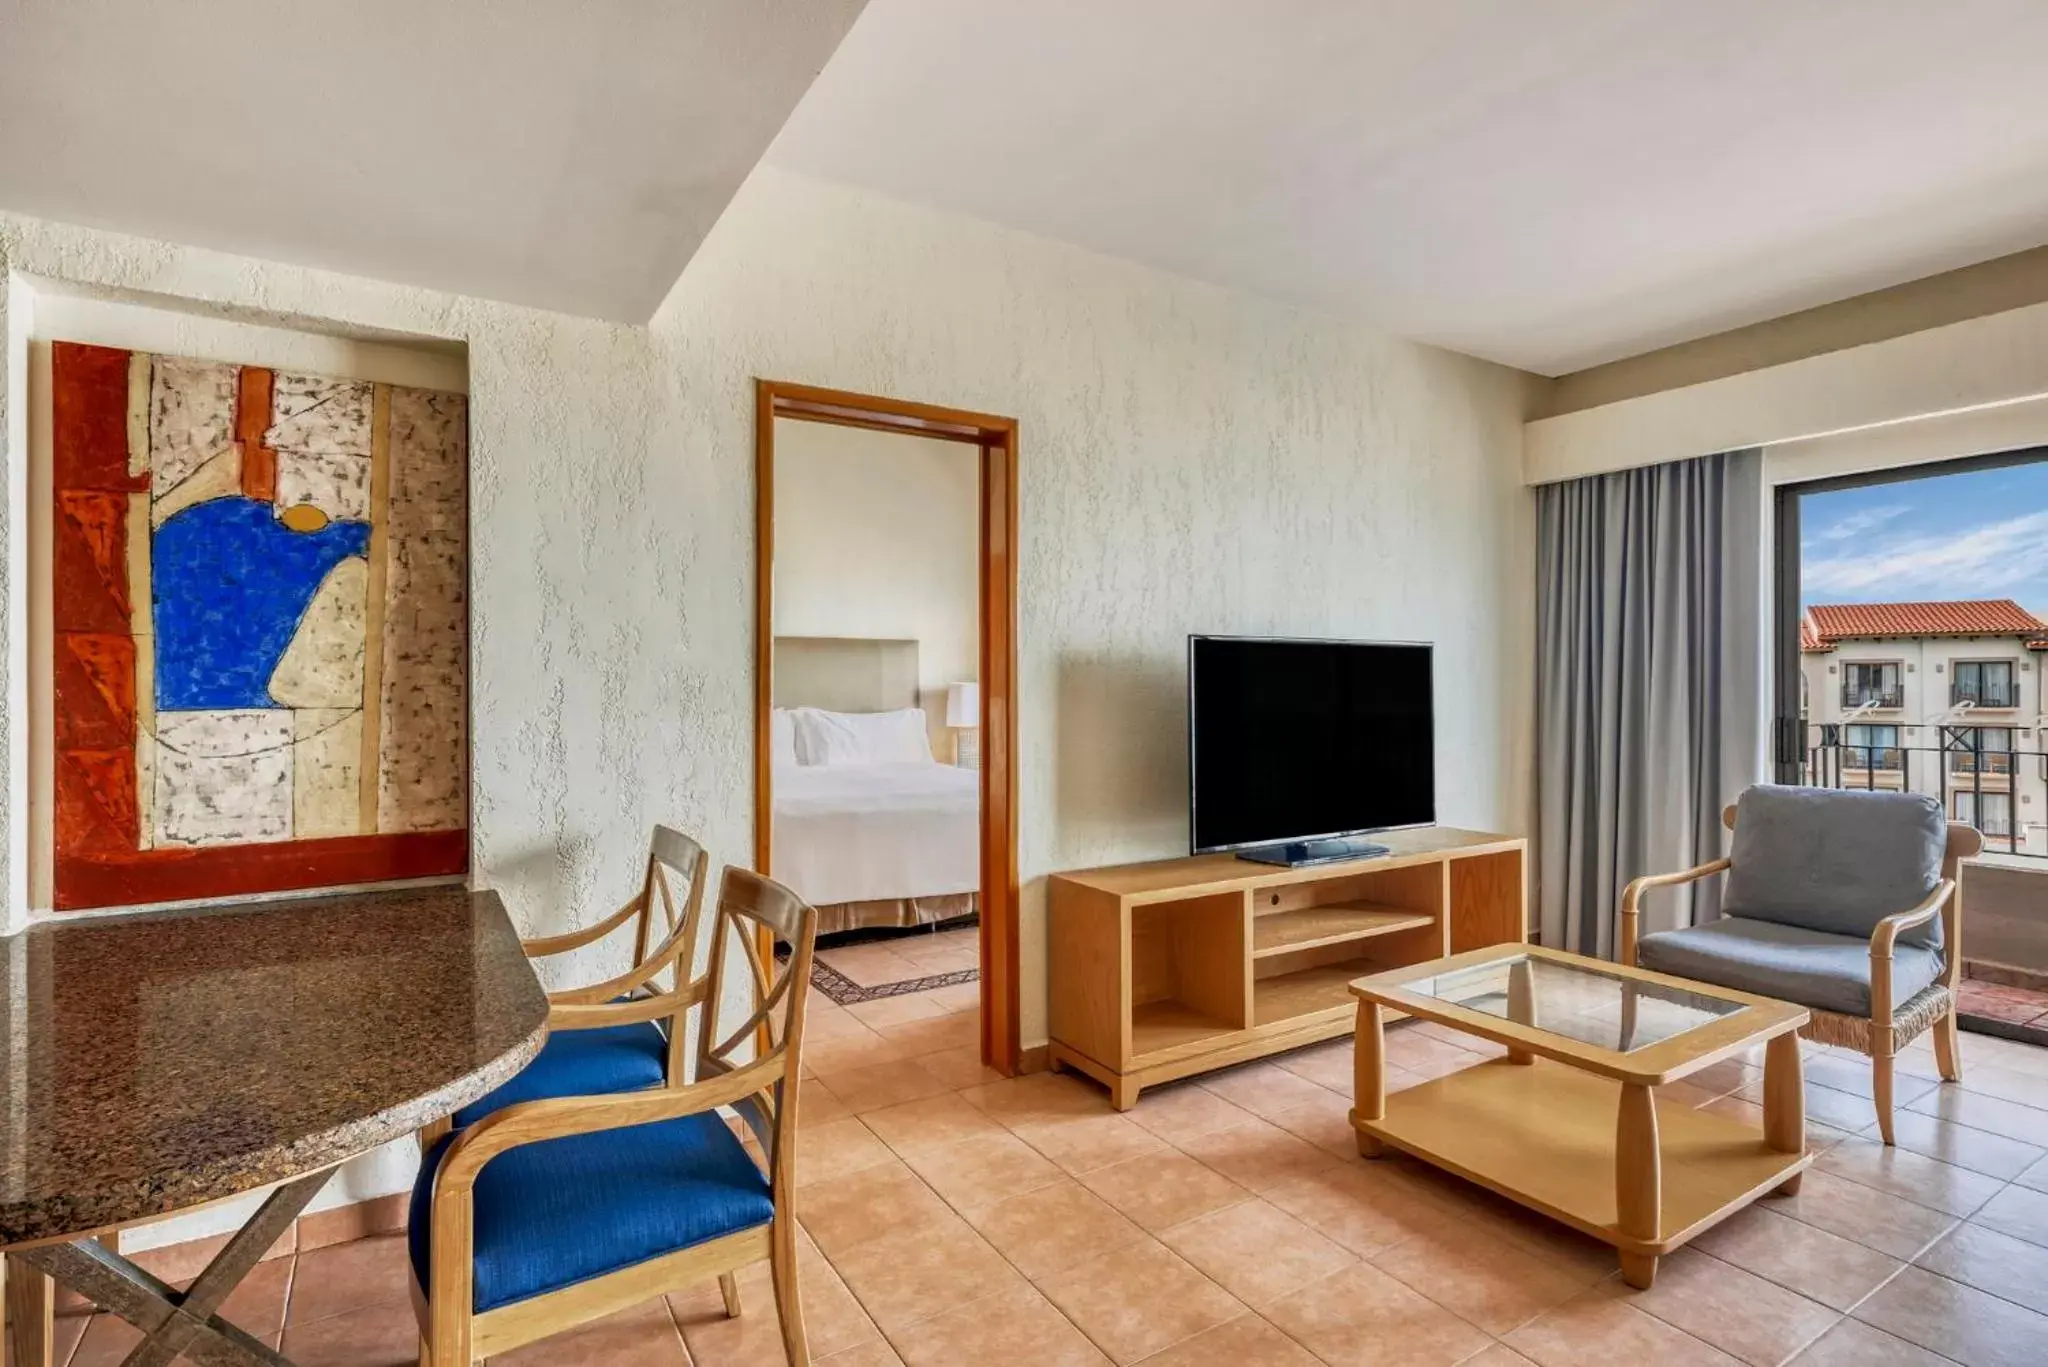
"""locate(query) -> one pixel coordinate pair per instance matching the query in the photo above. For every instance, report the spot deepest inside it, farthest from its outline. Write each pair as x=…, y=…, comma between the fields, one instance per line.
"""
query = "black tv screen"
x=1301, y=740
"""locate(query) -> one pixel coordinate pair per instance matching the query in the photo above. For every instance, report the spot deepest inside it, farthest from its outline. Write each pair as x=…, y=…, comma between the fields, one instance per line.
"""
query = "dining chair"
x=552, y=1213
x=604, y=1037
x=1847, y=902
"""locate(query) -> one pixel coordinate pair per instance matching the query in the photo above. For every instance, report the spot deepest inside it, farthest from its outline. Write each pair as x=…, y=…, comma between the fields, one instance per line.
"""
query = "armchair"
x=1845, y=902
x=554, y=1212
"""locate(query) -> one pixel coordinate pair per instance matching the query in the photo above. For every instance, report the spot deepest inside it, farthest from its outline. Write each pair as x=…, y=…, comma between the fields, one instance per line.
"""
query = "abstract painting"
x=260, y=628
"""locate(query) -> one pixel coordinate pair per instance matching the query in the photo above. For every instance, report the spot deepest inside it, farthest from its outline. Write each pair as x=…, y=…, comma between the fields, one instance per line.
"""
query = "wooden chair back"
x=744, y=969
x=672, y=855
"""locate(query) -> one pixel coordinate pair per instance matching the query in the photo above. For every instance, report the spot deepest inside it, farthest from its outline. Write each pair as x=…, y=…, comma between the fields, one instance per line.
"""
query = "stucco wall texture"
x=1191, y=460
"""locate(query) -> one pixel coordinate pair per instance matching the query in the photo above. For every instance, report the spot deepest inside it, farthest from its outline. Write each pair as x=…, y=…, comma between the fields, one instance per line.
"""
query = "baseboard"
x=1036, y=1058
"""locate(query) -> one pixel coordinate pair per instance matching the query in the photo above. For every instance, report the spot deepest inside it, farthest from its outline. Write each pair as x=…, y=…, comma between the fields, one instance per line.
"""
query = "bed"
x=869, y=843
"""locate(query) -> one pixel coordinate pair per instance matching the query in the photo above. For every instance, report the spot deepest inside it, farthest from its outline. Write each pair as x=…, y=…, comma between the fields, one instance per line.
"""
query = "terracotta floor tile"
x=1483, y=1280
x=1257, y=1155
x=1743, y=1315
x=1264, y=1089
x=1325, y=1123
x=1825, y=1267
x=870, y=964
x=931, y=1123
x=876, y=1354
x=1037, y=1098
x=1978, y=1150
x=1140, y=1299
x=1361, y=1317
x=642, y=1336
x=1163, y=1189
x=1329, y=1065
x=959, y=997
x=830, y=1023
x=1361, y=1207
x=824, y=1152
x=1845, y=1111
x=1871, y=1218
x=1914, y=1176
x=64, y=1339
x=815, y=1104
x=1047, y=1231
x=1500, y=1355
x=861, y=1206
x=980, y=1172
x=851, y=1052
x=1819, y=1137
x=1255, y=1251
x=1980, y=1112
x=1246, y=1341
x=833, y=1319
x=912, y=1276
x=1409, y=1048
x=1184, y=1110
x=180, y=1263
x=2020, y=1212
x=882, y=1085
x=1084, y=1143
x=1994, y=1262
x=1600, y=1329
x=106, y=1341
x=1013, y=1326
x=383, y=1335
x=920, y=1037
x=884, y=1011
x=959, y=1067
x=1856, y=1077
x=1957, y=1321
x=1854, y=1344
x=343, y=1277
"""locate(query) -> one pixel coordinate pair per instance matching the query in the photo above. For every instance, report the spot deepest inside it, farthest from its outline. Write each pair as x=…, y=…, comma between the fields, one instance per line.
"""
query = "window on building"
x=1979, y=749
x=1987, y=683
x=1872, y=685
x=1990, y=813
x=1870, y=747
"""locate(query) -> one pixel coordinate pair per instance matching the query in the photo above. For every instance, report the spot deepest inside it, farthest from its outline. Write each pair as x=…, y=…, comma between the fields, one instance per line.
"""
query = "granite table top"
x=155, y=1062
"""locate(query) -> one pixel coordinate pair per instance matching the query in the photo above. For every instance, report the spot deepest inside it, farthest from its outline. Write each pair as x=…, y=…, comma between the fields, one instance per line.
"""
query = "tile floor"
x=2027, y=1006
x=955, y=1218
x=905, y=957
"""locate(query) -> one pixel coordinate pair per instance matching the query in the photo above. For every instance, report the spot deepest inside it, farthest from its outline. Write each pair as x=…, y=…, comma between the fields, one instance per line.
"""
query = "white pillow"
x=897, y=737
x=782, y=737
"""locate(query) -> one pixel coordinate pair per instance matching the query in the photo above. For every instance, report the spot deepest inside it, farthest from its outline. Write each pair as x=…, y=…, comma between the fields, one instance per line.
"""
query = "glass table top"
x=1583, y=1002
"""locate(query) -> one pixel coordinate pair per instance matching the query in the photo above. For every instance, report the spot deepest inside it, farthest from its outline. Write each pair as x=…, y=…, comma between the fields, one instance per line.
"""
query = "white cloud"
x=1857, y=523
x=1989, y=561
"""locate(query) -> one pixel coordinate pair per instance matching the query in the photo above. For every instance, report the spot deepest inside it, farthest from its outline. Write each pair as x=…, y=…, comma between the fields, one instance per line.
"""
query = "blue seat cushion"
x=617, y=1058
x=552, y=1214
x=1835, y=860
x=1789, y=963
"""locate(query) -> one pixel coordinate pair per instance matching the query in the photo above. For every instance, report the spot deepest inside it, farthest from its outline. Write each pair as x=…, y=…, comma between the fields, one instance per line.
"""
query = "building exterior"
x=1941, y=698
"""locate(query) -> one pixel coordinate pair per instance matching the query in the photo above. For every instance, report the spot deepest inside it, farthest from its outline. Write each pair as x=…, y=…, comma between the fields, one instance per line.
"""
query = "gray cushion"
x=1790, y=963
x=1834, y=860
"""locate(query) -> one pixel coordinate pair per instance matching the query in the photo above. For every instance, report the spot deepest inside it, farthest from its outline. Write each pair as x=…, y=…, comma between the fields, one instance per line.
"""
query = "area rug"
x=846, y=989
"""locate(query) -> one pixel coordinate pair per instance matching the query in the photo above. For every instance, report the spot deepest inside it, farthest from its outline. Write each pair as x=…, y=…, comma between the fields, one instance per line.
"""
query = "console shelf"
x=1165, y=969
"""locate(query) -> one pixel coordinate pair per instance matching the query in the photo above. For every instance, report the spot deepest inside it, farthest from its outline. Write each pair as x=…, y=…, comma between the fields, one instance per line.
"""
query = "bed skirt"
x=895, y=911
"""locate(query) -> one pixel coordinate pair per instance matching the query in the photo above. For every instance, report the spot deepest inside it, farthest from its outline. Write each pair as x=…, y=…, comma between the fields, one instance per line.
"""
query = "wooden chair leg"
x=729, y=1288
x=426, y=1352
x=1881, y=1091
x=788, y=1297
x=1948, y=1054
x=448, y=1336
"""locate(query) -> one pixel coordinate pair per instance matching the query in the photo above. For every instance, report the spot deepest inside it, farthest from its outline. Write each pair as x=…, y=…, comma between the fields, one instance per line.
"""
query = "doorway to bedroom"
x=884, y=778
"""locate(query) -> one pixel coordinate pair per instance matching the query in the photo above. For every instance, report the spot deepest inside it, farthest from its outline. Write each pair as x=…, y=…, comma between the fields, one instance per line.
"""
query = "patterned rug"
x=847, y=992
x=889, y=962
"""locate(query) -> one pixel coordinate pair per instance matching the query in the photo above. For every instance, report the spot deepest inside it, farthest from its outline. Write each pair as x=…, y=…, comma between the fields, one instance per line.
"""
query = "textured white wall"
x=1191, y=460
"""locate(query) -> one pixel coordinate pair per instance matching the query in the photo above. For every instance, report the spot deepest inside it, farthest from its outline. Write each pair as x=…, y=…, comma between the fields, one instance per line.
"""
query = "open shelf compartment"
x=1188, y=979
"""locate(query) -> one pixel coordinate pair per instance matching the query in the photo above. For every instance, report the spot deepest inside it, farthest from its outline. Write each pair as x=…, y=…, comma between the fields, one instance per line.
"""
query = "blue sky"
x=1977, y=535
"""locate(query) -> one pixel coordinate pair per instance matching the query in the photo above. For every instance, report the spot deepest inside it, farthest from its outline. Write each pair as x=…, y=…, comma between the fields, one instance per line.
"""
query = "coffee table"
x=1568, y=1122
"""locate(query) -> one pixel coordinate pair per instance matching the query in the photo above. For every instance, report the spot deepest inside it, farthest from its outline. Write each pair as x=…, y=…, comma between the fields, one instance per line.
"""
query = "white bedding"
x=866, y=832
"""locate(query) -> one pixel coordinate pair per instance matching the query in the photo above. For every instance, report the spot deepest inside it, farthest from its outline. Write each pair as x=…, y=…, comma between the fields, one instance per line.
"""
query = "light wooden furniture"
x=1180, y=966
x=1568, y=1123
x=736, y=1068
x=1890, y=1026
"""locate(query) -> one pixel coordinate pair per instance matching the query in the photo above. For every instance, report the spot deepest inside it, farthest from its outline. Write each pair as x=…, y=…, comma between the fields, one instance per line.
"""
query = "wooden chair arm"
x=1632, y=895
x=545, y=945
x=1881, y=941
x=533, y=1122
x=564, y=1015
x=633, y=979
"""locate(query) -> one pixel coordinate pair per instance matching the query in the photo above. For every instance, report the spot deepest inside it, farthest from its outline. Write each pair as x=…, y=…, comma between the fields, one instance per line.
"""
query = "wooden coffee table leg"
x=1369, y=1076
x=1785, y=1102
x=1638, y=1181
x=1521, y=1004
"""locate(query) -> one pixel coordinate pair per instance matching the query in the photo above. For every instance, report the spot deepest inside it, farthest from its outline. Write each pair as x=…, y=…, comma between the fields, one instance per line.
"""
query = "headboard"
x=845, y=673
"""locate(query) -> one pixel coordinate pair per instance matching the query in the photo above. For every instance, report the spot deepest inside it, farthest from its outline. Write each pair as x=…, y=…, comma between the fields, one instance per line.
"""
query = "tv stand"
x=1182, y=966
x=1296, y=854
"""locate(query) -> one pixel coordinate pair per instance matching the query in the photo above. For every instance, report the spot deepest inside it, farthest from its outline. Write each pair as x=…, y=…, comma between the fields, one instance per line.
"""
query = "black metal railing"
x=2002, y=792
x=1986, y=695
x=1867, y=695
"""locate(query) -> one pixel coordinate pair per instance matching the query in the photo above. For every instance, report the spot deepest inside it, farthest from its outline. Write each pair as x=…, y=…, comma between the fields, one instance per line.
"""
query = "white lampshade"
x=963, y=704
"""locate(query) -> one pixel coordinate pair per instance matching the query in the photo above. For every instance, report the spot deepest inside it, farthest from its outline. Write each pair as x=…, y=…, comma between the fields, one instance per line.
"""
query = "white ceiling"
x=1548, y=183
x=564, y=155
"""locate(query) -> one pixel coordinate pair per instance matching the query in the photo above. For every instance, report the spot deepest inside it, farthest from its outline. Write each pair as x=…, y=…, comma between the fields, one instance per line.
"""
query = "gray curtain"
x=1649, y=685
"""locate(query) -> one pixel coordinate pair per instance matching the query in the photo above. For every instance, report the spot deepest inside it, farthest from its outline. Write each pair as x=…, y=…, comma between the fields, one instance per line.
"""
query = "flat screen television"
x=1297, y=748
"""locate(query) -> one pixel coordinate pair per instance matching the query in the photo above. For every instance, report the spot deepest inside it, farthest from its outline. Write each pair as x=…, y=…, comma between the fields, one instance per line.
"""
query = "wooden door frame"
x=996, y=439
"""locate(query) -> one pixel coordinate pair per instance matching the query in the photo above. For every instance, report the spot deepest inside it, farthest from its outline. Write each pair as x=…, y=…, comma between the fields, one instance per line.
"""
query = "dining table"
x=156, y=1062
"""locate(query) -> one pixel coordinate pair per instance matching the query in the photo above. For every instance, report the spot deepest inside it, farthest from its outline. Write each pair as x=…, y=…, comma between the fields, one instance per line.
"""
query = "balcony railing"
x=1868, y=696
x=1986, y=695
x=2011, y=813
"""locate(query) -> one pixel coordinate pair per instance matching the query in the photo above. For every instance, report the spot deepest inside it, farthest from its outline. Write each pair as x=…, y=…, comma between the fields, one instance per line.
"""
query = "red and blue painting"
x=260, y=629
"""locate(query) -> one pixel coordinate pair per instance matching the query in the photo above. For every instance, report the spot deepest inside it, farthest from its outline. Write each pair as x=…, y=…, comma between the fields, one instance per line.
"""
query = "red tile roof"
x=1809, y=639
x=1826, y=623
